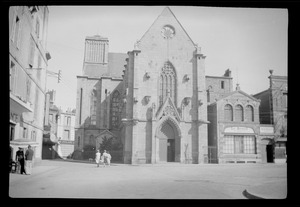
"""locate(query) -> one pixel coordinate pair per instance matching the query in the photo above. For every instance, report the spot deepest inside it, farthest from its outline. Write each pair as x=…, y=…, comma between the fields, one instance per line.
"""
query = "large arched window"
x=249, y=113
x=93, y=105
x=167, y=83
x=115, y=110
x=92, y=140
x=228, y=113
x=239, y=116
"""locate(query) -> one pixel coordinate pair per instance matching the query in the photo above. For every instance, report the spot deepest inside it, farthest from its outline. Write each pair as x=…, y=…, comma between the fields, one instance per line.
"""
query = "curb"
x=250, y=196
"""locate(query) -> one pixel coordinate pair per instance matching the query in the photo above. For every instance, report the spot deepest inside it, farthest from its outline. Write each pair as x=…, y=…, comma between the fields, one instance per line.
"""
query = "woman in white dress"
x=97, y=159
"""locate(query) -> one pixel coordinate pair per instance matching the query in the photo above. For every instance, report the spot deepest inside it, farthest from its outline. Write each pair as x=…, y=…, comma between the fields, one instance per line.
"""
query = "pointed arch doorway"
x=168, y=138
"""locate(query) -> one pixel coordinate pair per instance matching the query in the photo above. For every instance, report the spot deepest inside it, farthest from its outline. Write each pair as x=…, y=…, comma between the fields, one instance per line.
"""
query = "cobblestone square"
x=63, y=179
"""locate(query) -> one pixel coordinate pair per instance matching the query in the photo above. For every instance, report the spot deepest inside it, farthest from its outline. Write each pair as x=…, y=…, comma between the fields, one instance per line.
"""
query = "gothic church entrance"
x=169, y=142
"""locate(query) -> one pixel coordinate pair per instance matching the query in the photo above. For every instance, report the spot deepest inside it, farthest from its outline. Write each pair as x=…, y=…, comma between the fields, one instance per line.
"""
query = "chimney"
x=227, y=73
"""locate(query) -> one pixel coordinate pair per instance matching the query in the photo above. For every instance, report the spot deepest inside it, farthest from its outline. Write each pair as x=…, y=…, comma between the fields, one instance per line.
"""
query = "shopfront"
x=239, y=145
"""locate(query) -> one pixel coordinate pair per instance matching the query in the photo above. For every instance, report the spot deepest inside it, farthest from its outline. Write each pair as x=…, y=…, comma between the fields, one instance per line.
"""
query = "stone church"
x=159, y=106
x=156, y=106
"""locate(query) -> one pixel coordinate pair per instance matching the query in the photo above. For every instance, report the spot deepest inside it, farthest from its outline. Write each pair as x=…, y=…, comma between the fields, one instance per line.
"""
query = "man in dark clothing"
x=20, y=160
x=28, y=159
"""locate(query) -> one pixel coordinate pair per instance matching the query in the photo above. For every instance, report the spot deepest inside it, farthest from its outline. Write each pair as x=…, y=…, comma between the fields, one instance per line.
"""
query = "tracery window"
x=228, y=112
x=167, y=83
x=115, y=110
x=93, y=109
x=249, y=113
x=239, y=116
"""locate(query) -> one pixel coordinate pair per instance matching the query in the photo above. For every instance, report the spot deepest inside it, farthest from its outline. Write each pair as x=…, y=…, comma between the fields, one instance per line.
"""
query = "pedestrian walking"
x=29, y=160
x=102, y=160
x=20, y=160
x=108, y=158
x=105, y=155
x=97, y=159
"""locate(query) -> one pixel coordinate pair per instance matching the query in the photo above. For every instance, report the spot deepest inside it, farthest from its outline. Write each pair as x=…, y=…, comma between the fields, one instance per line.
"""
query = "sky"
x=248, y=41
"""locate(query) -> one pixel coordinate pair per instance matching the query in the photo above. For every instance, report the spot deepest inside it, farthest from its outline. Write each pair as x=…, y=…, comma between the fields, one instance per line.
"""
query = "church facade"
x=166, y=107
x=156, y=105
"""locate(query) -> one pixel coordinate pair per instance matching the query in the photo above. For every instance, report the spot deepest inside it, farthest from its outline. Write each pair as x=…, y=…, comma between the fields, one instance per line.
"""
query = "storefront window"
x=239, y=145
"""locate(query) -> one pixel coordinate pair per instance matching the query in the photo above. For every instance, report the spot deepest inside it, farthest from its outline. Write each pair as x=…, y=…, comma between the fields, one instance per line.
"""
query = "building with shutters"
x=28, y=59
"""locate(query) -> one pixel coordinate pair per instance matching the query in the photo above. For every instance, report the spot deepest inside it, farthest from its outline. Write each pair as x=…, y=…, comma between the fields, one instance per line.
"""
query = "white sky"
x=248, y=41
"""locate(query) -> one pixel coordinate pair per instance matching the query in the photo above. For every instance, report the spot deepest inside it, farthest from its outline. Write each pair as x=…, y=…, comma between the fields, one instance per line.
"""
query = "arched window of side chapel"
x=167, y=83
x=115, y=109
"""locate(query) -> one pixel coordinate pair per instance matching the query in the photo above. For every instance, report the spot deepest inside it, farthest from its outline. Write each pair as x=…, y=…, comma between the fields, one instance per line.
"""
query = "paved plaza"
x=64, y=179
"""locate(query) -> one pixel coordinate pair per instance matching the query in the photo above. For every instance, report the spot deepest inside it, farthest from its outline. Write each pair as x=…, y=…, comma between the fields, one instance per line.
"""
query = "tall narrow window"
x=69, y=121
x=161, y=89
x=228, y=113
x=93, y=108
x=239, y=116
x=15, y=29
x=285, y=100
x=12, y=76
x=222, y=84
x=115, y=109
x=36, y=103
x=31, y=53
x=28, y=88
x=37, y=28
x=24, y=132
x=78, y=141
x=249, y=113
x=167, y=85
x=92, y=140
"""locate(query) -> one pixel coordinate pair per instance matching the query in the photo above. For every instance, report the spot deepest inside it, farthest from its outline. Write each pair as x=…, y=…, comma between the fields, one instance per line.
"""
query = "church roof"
x=116, y=62
x=166, y=12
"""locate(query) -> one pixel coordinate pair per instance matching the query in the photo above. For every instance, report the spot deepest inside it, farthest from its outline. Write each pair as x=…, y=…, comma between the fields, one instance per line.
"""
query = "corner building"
x=165, y=97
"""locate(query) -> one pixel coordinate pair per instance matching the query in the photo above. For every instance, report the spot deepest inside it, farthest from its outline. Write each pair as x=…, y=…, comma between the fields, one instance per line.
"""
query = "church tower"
x=95, y=56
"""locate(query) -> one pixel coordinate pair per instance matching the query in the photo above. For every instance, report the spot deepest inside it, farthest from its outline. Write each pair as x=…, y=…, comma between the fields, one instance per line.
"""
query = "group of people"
x=24, y=162
x=103, y=159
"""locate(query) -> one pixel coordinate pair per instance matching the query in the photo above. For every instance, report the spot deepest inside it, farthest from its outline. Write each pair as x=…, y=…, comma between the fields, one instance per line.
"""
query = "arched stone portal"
x=168, y=141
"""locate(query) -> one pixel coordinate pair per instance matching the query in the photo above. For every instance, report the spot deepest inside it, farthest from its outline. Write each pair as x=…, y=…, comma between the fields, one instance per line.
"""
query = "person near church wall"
x=20, y=160
x=29, y=160
x=97, y=159
x=107, y=158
